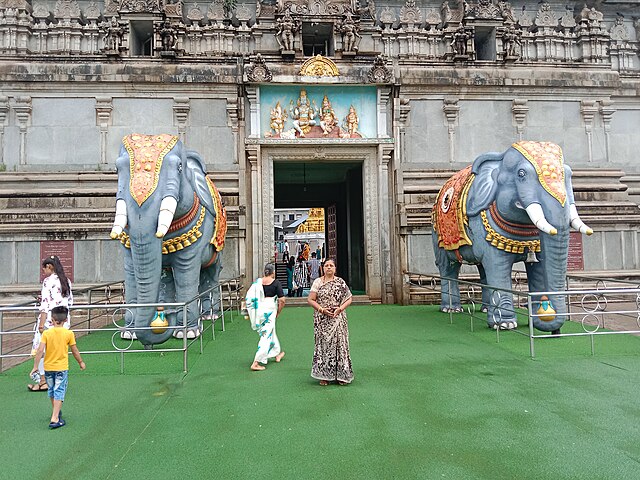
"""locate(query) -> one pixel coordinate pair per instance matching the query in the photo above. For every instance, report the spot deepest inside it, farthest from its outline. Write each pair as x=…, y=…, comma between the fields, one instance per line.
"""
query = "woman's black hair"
x=292, y=261
x=59, y=271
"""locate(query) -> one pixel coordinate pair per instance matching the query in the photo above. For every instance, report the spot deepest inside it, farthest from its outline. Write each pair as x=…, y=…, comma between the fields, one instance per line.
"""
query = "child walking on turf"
x=57, y=341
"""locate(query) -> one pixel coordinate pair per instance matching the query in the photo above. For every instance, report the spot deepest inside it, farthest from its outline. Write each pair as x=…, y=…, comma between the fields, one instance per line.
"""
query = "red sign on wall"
x=63, y=249
x=576, y=255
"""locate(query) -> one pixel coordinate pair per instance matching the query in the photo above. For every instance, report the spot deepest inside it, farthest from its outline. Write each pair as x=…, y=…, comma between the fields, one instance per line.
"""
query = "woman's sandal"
x=38, y=387
x=324, y=383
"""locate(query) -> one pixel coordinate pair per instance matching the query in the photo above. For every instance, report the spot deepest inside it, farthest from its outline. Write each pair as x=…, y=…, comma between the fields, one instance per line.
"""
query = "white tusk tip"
x=589, y=231
x=159, y=234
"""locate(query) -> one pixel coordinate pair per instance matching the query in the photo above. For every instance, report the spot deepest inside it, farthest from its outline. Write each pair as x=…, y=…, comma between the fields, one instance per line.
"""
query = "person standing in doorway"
x=290, y=267
x=314, y=268
x=300, y=276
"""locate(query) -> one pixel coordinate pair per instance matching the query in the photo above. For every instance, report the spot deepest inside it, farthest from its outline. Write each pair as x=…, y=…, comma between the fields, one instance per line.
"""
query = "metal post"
x=121, y=362
x=89, y=313
x=450, y=304
x=221, y=306
x=593, y=347
x=184, y=338
x=1, y=339
x=531, y=339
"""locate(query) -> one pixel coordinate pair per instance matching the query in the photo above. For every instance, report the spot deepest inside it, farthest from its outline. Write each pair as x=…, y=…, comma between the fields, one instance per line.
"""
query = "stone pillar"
x=104, y=107
x=519, y=109
x=253, y=95
x=234, y=113
x=181, y=109
x=451, y=109
x=607, y=110
x=4, y=110
x=382, y=101
x=588, y=109
x=399, y=214
x=22, y=109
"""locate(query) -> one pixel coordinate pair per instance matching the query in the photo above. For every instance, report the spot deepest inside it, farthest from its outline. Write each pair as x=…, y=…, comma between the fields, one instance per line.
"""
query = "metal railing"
x=106, y=312
x=592, y=308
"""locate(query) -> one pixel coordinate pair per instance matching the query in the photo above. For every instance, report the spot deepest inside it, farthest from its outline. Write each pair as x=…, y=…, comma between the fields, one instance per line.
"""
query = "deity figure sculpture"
x=351, y=121
x=350, y=34
x=511, y=43
x=113, y=36
x=168, y=36
x=328, y=120
x=278, y=117
x=287, y=28
x=459, y=43
x=303, y=114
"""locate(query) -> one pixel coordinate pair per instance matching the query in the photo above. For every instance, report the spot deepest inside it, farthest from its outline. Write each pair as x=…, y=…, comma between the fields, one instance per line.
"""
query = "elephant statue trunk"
x=499, y=211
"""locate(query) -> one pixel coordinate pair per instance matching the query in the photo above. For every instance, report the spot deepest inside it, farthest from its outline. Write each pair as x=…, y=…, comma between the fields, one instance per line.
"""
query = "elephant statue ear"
x=485, y=185
x=197, y=175
x=568, y=184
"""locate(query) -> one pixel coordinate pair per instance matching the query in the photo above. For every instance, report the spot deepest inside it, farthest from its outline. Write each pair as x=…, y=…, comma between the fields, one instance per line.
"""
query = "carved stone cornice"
x=258, y=72
x=67, y=9
x=233, y=113
x=181, y=109
x=104, y=107
x=606, y=111
x=380, y=73
x=22, y=108
x=17, y=4
x=315, y=7
x=519, y=108
x=588, y=110
x=139, y=6
x=450, y=108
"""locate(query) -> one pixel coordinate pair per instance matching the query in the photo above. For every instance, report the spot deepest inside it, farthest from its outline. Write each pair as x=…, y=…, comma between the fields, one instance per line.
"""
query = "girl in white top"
x=56, y=292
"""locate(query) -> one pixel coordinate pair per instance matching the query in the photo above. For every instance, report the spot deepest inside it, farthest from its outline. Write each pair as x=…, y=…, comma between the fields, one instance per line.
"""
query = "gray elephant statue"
x=172, y=224
x=516, y=206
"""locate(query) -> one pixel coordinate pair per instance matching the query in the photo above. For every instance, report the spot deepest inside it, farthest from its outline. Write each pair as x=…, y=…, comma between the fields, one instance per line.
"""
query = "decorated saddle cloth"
x=449, y=212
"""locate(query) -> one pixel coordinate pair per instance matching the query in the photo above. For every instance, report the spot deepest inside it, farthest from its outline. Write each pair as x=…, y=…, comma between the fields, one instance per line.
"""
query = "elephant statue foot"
x=191, y=333
x=507, y=325
x=452, y=309
x=128, y=335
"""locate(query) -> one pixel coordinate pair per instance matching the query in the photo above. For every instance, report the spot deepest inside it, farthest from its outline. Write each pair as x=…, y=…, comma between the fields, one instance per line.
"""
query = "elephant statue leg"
x=536, y=279
x=209, y=278
x=130, y=296
x=500, y=312
x=485, y=291
x=186, y=283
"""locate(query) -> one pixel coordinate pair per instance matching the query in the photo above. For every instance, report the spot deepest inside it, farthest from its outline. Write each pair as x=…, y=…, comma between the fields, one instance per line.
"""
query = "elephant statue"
x=172, y=225
x=506, y=208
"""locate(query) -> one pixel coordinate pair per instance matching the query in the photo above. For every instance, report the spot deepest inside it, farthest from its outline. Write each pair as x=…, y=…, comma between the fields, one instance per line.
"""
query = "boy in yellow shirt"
x=57, y=340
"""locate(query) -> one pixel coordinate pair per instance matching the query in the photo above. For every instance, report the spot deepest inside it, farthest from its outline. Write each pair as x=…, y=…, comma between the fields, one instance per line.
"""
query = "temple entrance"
x=337, y=189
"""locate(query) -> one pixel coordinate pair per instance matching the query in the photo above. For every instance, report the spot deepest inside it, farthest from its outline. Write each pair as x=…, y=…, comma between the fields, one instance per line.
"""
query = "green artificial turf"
x=431, y=399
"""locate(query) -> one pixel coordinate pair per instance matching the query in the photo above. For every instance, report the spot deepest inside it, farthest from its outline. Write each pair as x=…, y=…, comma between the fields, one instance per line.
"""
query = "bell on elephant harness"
x=531, y=256
x=546, y=312
x=159, y=323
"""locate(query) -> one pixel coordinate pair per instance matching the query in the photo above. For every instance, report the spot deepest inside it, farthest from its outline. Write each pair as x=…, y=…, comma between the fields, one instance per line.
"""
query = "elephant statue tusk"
x=534, y=210
x=576, y=222
x=121, y=219
x=165, y=217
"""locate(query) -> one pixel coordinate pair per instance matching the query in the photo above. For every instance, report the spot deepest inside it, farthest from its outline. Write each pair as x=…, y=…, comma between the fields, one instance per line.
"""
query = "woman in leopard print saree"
x=330, y=296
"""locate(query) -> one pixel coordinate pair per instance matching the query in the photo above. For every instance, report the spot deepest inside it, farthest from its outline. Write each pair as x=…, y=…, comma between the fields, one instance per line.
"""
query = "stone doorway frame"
x=374, y=155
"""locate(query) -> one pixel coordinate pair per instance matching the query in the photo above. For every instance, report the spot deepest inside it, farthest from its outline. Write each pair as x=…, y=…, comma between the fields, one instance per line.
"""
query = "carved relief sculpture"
x=258, y=70
x=278, y=117
x=459, y=42
x=328, y=120
x=287, y=28
x=113, y=35
x=168, y=36
x=511, y=43
x=351, y=122
x=350, y=34
x=303, y=114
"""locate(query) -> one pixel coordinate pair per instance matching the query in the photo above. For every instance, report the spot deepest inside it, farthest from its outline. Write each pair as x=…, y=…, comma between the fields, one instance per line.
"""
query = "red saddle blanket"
x=449, y=211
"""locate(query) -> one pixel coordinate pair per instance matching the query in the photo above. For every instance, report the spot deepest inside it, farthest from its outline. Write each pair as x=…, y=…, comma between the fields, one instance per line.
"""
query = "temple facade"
x=357, y=107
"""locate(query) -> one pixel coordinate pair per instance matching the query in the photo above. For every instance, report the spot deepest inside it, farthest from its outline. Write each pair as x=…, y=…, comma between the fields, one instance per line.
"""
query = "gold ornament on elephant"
x=507, y=244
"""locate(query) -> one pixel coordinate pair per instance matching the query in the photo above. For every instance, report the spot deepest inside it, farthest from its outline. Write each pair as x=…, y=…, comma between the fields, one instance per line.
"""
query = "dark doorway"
x=336, y=187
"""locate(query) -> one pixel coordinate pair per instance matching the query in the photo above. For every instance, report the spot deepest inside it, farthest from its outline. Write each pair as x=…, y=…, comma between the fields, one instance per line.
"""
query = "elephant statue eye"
x=180, y=167
x=522, y=173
